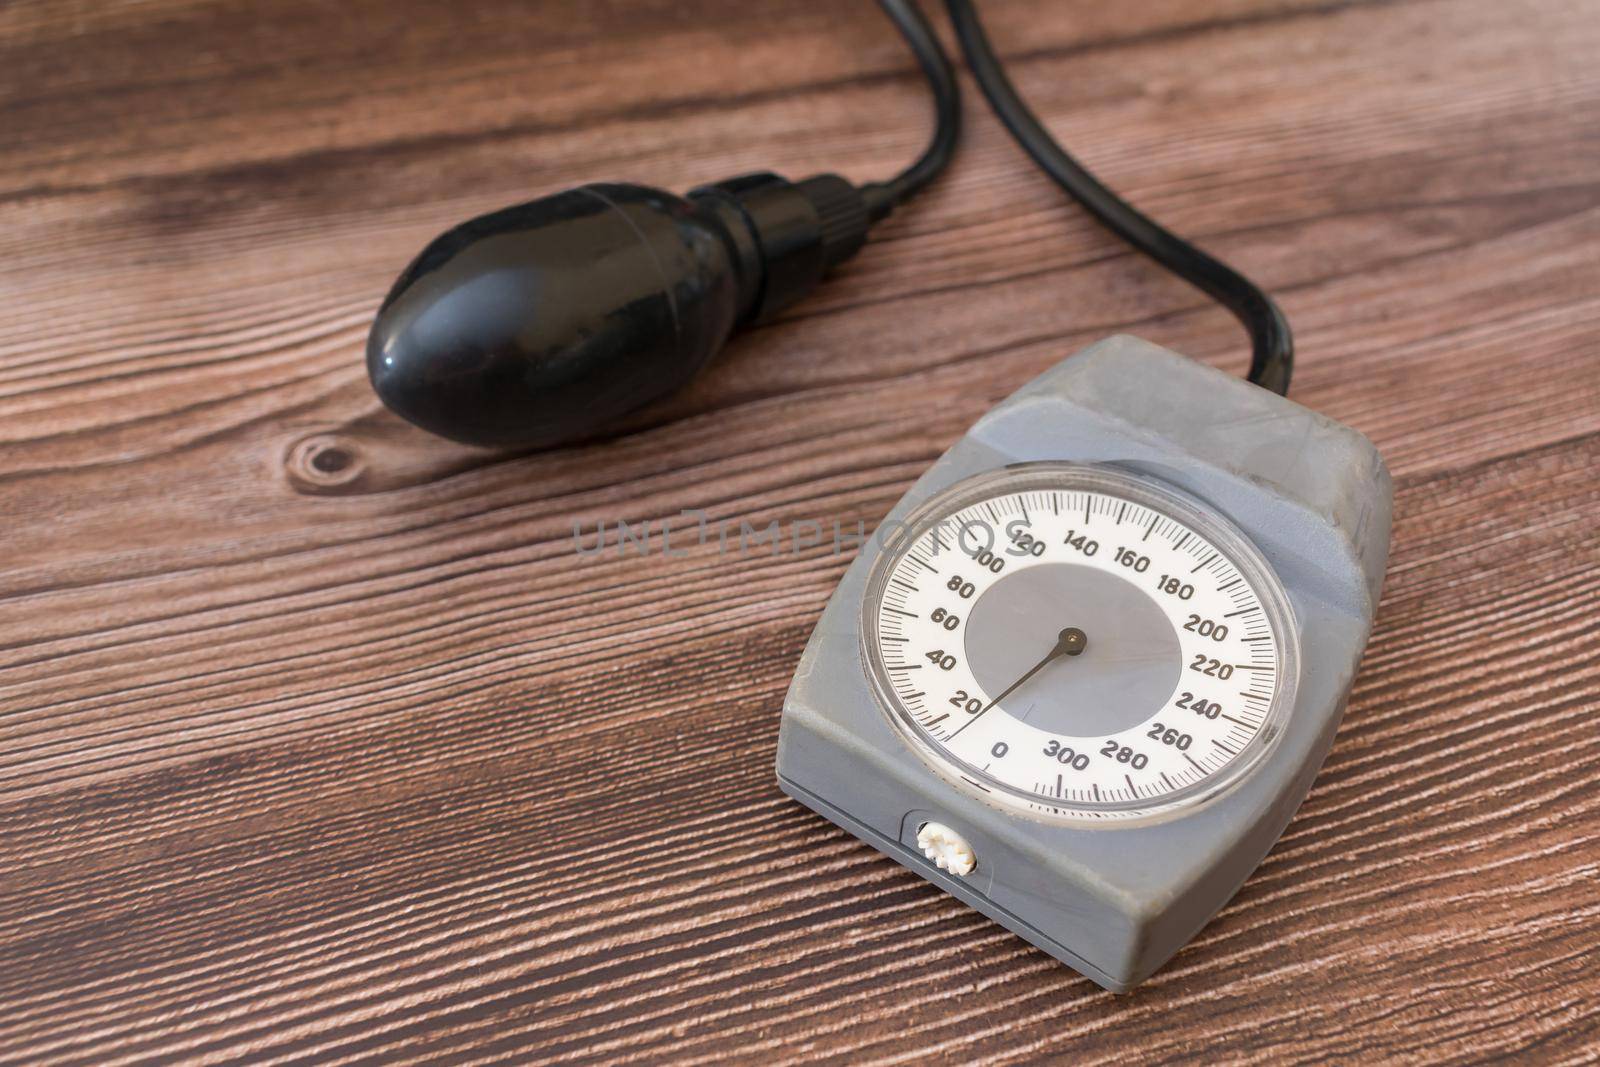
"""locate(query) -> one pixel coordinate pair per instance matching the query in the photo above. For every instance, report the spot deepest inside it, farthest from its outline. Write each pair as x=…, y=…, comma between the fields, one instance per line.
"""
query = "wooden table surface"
x=320, y=741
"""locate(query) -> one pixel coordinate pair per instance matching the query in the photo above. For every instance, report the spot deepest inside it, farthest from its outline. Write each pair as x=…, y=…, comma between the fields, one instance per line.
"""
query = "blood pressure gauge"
x=1087, y=668
x=1077, y=643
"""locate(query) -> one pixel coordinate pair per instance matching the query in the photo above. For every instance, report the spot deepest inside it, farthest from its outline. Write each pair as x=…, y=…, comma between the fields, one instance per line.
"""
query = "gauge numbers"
x=1079, y=643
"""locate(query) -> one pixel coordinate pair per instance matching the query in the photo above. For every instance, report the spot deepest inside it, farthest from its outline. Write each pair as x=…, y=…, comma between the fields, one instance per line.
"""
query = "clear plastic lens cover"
x=1079, y=643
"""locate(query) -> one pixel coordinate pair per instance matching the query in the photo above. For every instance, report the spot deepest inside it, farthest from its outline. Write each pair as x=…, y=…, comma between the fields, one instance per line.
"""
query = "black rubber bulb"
x=543, y=324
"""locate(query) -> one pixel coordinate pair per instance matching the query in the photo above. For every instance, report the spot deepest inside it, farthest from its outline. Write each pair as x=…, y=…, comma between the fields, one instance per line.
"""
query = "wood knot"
x=323, y=463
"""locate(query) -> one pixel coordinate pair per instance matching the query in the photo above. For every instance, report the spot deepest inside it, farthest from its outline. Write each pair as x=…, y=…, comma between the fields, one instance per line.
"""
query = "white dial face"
x=1079, y=643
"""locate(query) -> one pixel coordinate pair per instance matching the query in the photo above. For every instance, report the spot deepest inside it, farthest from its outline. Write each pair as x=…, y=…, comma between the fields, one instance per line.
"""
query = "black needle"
x=1069, y=642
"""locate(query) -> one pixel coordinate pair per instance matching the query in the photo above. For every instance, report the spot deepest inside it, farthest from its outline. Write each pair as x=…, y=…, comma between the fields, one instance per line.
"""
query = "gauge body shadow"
x=1116, y=899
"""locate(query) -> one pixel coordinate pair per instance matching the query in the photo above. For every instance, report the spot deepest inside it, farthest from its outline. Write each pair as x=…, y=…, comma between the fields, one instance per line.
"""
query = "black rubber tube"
x=882, y=197
x=1272, y=343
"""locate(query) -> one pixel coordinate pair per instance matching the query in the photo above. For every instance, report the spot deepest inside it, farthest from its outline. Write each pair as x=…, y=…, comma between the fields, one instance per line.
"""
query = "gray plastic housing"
x=1116, y=901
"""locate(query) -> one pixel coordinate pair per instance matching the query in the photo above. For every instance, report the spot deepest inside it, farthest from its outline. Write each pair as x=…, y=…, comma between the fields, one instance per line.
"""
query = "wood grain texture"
x=319, y=741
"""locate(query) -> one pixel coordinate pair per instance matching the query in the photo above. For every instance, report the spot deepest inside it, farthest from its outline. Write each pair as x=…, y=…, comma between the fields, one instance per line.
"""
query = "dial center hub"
x=1130, y=665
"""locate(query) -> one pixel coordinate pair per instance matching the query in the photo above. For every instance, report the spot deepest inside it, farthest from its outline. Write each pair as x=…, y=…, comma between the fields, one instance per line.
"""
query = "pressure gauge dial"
x=1079, y=643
